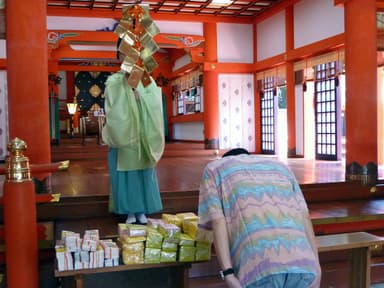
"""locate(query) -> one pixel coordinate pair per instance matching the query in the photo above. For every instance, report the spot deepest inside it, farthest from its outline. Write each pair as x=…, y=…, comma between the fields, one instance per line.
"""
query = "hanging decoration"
x=136, y=31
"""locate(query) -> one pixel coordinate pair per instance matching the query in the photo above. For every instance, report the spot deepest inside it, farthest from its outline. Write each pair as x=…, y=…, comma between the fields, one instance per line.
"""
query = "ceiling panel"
x=237, y=8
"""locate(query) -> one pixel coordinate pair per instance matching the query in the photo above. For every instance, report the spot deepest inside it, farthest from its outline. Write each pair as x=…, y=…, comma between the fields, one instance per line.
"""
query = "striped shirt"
x=263, y=207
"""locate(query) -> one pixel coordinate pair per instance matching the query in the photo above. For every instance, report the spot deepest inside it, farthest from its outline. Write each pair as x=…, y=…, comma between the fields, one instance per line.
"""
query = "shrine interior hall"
x=296, y=80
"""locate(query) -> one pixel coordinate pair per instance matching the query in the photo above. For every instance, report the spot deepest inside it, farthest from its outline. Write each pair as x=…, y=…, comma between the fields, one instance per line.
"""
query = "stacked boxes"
x=153, y=245
x=174, y=237
x=131, y=241
x=73, y=252
x=169, y=239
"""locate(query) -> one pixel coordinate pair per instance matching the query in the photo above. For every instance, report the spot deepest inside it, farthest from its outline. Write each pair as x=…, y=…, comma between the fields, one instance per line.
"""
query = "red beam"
x=91, y=68
x=68, y=36
x=68, y=53
x=3, y=64
x=316, y=48
x=380, y=5
x=339, y=2
x=275, y=9
x=228, y=67
x=270, y=62
x=345, y=227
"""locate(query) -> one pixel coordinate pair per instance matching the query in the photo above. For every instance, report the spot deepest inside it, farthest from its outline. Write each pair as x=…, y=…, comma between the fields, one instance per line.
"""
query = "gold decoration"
x=146, y=79
x=77, y=91
x=64, y=165
x=16, y=164
x=136, y=31
x=150, y=64
x=55, y=197
x=135, y=76
x=95, y=90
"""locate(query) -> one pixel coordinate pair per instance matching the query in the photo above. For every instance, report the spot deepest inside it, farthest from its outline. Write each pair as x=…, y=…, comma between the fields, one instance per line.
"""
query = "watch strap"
x=226, y=272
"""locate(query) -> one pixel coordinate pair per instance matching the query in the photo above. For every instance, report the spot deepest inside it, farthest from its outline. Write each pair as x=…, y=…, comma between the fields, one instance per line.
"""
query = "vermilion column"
x=27, y=75
x=289, y=72
x=210, y=85
x=361, y=92
x=257, y=102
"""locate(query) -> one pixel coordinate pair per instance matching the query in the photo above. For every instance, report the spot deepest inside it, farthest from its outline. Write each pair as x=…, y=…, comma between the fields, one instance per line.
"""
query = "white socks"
x=140, y=217
x=130, y=219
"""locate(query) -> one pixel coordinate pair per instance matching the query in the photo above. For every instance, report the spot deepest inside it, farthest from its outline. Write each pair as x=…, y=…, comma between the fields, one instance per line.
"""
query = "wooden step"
x=73, y=149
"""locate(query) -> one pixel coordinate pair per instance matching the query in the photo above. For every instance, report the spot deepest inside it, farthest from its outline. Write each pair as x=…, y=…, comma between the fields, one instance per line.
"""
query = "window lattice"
x=325, y=111
x=267, y=117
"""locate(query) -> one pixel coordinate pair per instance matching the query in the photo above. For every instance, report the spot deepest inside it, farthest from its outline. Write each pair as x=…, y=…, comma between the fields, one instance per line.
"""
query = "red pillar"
x=291, y=105
x=27, y=75
x=21, y=234
x=257, y=102
x=361, y=93
x=210, y=85
x=20, y=220
x=70, y=86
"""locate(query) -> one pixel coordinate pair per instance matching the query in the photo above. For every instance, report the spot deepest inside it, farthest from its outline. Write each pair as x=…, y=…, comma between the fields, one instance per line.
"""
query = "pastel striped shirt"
x=264, y=208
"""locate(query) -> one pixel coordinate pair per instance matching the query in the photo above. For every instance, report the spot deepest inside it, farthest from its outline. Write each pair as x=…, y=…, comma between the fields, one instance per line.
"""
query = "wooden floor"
x=176, y=171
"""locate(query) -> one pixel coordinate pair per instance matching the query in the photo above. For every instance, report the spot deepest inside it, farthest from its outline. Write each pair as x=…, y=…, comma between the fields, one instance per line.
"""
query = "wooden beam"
x=70, y=54
x=275, y=9
x=339, y=2
x=380, y=5
x=91, y=68
x=316, y=48
x=270, y=62
x=228, y=67
x=66, y=37
x=3, y=64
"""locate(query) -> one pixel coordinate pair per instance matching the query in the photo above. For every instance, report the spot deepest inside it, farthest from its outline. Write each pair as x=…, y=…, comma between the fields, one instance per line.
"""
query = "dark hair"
x=117, y=47
x=236, y=151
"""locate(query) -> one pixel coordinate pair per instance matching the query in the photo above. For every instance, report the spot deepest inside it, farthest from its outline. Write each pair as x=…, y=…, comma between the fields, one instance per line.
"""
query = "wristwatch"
x=226, y=272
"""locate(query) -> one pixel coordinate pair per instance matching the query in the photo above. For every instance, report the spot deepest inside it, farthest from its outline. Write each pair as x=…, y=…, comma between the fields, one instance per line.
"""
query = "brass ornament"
x=136, y=30
x=17, y=165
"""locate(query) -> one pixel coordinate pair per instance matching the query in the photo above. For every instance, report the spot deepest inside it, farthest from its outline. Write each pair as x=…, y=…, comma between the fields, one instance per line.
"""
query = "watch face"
x=222, y=275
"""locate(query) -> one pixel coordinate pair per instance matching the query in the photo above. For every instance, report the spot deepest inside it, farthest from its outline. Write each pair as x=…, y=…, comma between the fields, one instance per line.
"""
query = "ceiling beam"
x=274, y=10
x=380, y=5
x=67, y=53
x=91, y=68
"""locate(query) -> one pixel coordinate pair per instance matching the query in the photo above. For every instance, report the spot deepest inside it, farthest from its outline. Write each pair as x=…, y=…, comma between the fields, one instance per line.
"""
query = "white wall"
x=174, y=27
x=235, y=43
x=315, y=20
x=3, y=115
x=181, y=62
x=188, y=131
x=271, y=36
x=3, y=49
x=93, y=24
x=299, y=119
x=79, y=23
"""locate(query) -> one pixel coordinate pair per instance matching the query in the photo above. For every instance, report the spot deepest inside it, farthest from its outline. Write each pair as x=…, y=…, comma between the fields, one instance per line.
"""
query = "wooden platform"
x=335, y=206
